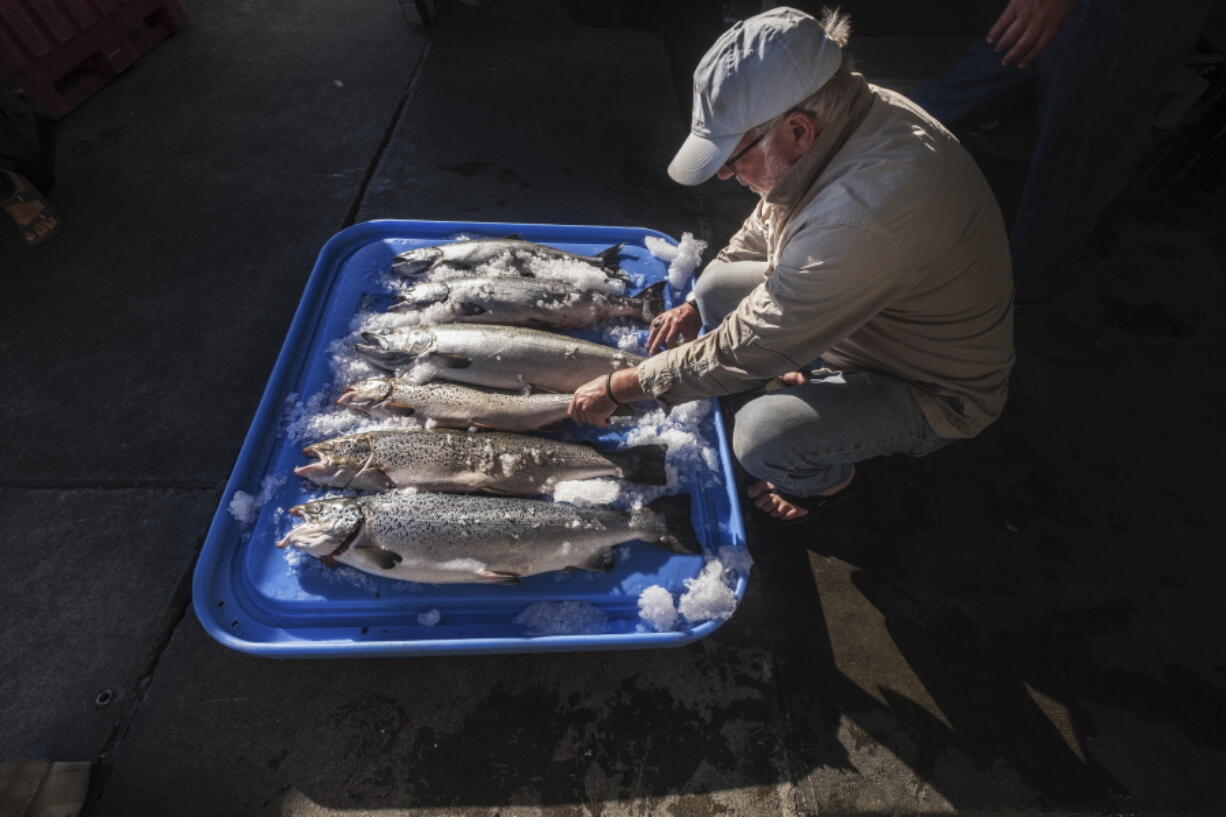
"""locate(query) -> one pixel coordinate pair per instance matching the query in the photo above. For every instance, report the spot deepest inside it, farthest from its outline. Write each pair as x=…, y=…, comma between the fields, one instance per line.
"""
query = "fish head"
x=421, y=296
x=390, y=348
x=366, y=396
x=417, y=262
x=326, y=525
x=336, y=461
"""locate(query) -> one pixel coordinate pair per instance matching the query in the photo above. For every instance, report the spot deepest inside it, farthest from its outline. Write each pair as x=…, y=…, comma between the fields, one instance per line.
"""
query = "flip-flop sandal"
x=26, y=193
x=813, y=504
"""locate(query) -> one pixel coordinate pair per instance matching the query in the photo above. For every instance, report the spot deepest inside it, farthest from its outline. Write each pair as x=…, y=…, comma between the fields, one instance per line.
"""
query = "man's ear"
x=802, y=129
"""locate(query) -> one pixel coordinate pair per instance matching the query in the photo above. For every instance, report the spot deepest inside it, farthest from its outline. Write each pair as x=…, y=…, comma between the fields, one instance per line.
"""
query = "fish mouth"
x=381, y=357
x=416, y=262
x=361, y=397
x=286, y=540
x=378, y=354
x=414, y=267
x=325, y=472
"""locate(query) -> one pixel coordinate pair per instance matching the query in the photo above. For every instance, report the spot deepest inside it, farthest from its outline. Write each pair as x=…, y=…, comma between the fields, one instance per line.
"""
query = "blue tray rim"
x=208, y=583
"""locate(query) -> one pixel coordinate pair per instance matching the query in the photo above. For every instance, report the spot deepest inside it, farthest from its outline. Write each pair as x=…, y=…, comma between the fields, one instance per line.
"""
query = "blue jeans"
x=805, y=439
x=1098, y=85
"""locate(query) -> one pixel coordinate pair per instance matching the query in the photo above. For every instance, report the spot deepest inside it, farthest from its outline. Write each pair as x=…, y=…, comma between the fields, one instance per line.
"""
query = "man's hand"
x=1026, y=28
x=681, y=323
x=591, y=404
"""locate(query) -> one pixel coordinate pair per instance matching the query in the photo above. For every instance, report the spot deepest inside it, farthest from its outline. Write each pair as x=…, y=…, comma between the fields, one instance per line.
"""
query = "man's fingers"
x=661, y=336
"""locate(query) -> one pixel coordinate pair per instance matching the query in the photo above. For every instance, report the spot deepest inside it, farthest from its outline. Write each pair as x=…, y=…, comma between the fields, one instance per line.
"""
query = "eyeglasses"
x=730, y=165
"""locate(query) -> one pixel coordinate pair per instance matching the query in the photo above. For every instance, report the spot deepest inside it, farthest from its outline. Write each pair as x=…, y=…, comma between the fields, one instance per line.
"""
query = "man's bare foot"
x=766, y=497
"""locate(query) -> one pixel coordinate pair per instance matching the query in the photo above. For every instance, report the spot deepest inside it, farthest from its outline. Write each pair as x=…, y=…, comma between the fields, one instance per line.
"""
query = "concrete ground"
x=1025, y=622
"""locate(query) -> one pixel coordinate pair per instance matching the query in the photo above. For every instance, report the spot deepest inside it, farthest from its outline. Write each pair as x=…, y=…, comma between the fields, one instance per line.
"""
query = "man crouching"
x=872, y=277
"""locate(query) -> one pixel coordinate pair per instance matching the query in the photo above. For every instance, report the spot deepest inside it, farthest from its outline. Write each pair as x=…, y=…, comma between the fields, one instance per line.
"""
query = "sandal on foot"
x=45, y=224
x=813, y=504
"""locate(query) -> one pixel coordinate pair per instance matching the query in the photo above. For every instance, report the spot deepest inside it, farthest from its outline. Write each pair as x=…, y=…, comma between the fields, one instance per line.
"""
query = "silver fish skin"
x=457, y=538
x=494, y=462
x=525, y=302
x=501, y=357
x=469, y=256
x=455, y=405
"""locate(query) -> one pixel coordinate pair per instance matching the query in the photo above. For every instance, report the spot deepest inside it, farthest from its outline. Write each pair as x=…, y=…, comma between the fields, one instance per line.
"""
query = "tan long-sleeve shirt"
x=888, y=254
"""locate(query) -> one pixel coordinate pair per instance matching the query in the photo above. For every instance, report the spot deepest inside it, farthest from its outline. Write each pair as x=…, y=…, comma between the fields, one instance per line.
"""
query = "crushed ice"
x=656, y=607
x=246, y=508
x=683, y=259
x=562, y=618
x=708, y=596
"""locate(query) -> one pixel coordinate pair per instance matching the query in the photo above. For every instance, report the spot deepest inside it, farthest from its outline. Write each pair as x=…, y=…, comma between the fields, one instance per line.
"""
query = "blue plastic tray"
x=249, y=597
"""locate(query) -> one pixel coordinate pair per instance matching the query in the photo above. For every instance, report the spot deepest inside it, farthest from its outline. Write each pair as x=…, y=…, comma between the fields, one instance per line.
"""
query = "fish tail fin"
x=610, y=256
x=678, y=533
x=641, y=463
x=650, y=301
x=610, y=259
x=600, y=562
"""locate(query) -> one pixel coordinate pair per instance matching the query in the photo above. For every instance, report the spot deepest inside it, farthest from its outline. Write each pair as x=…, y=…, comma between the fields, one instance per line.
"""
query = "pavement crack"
x=373, y=167
x=179, y=605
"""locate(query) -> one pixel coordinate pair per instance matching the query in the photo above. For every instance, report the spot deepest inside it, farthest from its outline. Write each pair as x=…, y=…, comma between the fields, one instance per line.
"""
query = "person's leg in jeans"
x=975, y=84
x=1099, y=85
x=805, y=440
x=722, y=285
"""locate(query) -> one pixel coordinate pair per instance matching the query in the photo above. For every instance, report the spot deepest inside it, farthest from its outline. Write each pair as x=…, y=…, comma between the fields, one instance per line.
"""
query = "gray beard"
x=775, y=166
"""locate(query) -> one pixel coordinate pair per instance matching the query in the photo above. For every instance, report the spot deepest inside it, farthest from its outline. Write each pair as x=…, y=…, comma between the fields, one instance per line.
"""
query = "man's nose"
x=724, y=174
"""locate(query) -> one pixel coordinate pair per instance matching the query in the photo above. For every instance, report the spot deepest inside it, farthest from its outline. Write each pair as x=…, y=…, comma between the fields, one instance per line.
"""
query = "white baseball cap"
x=757, y=70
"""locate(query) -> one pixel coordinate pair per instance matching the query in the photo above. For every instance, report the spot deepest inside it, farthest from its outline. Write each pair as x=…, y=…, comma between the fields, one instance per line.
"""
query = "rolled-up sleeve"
x=830, y=280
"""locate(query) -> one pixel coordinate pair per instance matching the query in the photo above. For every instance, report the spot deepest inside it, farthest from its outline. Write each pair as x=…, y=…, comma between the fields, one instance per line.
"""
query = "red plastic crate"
x=62, y=51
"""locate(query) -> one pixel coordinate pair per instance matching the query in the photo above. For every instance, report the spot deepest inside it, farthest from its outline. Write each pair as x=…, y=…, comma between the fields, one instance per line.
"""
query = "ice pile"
x=577, y=273
x=562, y=618
x=656, y=607
x=683, y=259
x=689, y=455
x=601, y=491
x=246, y=508
x=706, y=598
